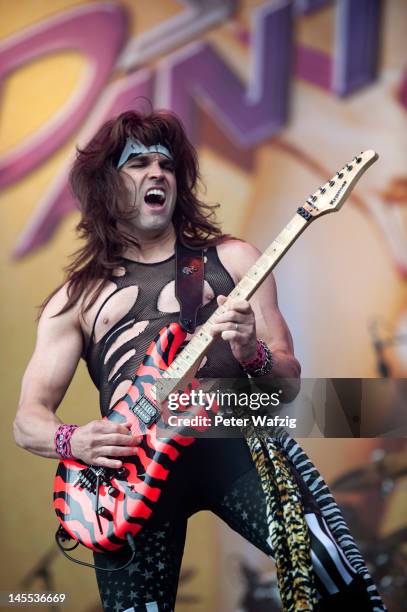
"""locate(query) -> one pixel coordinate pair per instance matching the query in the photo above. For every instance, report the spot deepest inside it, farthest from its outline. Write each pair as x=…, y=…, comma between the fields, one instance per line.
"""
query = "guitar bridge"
x=145, y=410
x=88, y=477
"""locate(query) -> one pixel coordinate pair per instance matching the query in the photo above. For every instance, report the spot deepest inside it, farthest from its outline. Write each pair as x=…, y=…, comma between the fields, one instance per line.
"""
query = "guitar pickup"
x=145, y=410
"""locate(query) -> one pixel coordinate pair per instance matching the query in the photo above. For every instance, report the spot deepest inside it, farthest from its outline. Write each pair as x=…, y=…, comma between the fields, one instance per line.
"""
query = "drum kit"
x=386, y=555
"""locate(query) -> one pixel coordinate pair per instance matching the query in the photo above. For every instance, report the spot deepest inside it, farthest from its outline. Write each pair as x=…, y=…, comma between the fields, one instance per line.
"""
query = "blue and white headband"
x=135, y=147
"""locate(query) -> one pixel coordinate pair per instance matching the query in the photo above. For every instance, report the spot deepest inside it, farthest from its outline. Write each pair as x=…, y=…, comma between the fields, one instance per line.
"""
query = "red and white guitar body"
x=98, y=506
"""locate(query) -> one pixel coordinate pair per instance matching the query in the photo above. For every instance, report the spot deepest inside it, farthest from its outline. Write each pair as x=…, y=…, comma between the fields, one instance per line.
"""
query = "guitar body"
x=135, y=488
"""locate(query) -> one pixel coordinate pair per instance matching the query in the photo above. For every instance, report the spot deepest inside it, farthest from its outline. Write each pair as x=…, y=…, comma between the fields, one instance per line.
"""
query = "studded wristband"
x=62, y=441
x=262, y=363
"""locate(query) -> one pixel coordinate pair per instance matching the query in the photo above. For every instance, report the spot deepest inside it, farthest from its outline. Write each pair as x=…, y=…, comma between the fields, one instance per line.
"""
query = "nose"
x=155, y=170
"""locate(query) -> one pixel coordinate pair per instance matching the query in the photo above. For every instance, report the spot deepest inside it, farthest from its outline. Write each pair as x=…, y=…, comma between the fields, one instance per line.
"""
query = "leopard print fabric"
x=288, y=532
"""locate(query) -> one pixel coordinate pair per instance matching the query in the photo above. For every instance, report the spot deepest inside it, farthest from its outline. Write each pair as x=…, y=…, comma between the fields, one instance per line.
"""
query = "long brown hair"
x=100, y=191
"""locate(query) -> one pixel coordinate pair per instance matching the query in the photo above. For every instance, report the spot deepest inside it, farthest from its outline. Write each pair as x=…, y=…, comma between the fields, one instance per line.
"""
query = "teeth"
x=158, y=192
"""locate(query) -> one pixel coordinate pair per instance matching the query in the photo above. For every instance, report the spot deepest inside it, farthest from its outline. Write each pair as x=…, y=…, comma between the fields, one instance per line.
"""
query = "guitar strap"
x=189, y=281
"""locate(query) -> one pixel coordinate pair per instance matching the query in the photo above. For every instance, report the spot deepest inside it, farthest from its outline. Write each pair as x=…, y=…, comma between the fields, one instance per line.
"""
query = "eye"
x=136, y=164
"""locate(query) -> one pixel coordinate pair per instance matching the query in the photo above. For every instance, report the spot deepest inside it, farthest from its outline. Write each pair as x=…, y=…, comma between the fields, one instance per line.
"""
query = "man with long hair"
x=136, y=184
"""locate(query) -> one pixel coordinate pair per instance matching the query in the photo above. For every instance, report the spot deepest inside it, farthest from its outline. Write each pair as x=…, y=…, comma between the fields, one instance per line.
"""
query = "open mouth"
x=155, y=197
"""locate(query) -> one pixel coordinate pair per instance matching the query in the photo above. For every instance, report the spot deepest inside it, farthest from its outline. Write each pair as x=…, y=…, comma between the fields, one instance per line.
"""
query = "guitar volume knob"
x=122, y=473
x=105, y=513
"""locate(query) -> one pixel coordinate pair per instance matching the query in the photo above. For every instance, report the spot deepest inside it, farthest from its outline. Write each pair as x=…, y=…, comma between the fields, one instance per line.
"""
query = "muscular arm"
x=269, y=324
x=48, y=375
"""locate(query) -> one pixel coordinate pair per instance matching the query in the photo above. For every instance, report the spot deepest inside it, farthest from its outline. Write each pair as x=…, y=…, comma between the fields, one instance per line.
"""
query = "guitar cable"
x=60, y=533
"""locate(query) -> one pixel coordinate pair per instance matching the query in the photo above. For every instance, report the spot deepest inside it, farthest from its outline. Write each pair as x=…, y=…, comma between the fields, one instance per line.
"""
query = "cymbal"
x=389, y=467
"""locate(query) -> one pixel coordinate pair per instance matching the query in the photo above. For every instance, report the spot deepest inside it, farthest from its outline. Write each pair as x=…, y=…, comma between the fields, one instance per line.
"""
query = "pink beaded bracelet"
x=62, y=441
x=262, y=362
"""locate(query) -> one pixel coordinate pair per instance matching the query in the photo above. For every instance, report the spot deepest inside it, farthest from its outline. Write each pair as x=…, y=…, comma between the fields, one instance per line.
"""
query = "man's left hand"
x=238, y=326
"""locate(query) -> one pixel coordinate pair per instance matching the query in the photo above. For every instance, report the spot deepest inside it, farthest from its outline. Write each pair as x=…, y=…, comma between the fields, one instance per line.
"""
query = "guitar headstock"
x=331, y=196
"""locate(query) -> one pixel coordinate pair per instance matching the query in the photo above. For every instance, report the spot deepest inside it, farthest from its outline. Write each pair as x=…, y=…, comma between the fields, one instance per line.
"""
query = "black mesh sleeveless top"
x=113, y=360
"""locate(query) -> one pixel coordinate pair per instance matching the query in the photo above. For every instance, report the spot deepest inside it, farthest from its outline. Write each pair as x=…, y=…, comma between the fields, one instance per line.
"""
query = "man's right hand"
x=101, y=442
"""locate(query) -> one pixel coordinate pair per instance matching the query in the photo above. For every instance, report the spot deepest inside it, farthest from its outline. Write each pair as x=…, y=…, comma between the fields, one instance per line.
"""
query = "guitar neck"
x=184, y=367
x=266, y=262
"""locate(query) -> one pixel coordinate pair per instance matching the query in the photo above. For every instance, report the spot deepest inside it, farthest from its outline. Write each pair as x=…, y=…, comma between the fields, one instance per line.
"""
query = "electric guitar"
x=101, y=507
